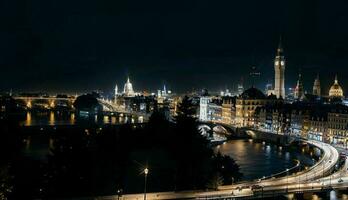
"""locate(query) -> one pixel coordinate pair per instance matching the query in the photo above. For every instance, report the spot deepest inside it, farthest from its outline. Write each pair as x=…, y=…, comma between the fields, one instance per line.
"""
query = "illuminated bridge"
x=52, y=101
x=45, y=101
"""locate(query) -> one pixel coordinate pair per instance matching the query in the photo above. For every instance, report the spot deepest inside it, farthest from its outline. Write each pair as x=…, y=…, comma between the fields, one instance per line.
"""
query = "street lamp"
x=330, y=173
x=287, y=180
x=146, y=171
x=119, y=193
x=299, y=177
x=313, y=174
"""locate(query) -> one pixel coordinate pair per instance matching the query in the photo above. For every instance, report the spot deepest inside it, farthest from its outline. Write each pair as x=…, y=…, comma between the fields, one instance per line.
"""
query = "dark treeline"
x=99, y=161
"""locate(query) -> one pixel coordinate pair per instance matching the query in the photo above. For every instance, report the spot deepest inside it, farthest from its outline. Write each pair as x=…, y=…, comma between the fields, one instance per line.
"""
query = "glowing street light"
x=146, y=171
x=287, y=179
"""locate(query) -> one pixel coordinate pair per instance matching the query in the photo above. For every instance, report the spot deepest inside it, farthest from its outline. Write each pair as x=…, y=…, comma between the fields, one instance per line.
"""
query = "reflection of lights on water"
x=280, y=148
x=96, y=118
x=141, y=119
x=28, y=119
x=315, y=197
x=333, y=195
x=27, y=142
x=51, y=143
x=268, y=149
x=113, y=120
x=52, y=118
x=287, y=155
x=250, y=140
x=72, y=118
x=224, y=143
x=106, y=119
x=263, y=142
x=218, y=146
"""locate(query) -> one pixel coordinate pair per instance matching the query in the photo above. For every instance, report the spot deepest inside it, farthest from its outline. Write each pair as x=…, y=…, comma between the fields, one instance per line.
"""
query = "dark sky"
x=81, y=45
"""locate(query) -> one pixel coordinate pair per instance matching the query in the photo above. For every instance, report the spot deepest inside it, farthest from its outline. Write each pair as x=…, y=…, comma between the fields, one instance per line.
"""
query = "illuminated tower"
x=116, y=94
x=316, y=87
x=116, y=90
x=279, y=69
x=164, y=90
x=299, y=90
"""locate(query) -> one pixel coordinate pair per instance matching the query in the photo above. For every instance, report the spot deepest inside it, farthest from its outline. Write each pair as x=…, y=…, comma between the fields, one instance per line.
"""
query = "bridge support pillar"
x=52, y=103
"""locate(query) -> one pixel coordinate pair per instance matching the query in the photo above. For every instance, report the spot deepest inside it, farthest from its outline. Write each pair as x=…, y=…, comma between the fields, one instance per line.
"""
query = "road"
x=307, y=180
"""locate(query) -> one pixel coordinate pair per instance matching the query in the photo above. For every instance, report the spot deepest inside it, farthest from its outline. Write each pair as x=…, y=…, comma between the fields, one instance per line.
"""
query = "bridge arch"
x=220, y=130
x=204, y=129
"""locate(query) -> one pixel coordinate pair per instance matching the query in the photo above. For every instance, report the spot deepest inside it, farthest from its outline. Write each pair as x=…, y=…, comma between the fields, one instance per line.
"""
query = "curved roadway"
x=305, y=180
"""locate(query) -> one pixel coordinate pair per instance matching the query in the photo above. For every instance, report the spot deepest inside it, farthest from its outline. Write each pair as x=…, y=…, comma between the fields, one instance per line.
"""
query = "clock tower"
x=279, y=69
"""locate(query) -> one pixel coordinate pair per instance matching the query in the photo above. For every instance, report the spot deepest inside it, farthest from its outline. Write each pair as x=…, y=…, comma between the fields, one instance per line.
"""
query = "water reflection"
x=260, y=159
x=59, y=118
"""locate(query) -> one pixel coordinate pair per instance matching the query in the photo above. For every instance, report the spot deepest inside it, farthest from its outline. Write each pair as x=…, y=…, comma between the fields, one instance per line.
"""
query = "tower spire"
x=336, y=79
x=280, y=46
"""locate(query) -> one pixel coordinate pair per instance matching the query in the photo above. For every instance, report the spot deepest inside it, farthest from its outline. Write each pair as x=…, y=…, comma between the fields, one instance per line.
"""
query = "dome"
x=253, y=93
x=128, y=88
x=336, y=90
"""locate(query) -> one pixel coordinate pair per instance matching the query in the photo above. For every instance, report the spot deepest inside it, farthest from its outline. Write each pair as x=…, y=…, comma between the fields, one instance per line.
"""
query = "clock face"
x=276, y=62
x=282, y=63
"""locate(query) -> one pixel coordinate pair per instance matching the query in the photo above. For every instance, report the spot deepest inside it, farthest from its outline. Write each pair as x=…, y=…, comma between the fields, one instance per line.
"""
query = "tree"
x=87, y=102
x=5, y=183
x=227, y=168
x=186, y=109
x=215, y=181
x=194, y=155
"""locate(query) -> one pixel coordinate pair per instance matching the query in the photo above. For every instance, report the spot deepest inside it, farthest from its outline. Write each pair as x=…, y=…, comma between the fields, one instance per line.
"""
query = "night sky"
x=80, y=45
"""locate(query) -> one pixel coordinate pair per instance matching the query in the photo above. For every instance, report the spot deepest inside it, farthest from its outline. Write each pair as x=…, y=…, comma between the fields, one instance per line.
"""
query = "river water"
x=258, y=159
x=52, y=118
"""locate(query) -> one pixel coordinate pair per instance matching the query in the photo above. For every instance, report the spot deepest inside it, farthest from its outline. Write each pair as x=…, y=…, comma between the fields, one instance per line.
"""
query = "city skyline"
x=89, y=46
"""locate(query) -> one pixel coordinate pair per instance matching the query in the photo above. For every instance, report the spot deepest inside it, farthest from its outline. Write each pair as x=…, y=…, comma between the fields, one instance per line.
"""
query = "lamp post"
x=119, y=193
x=146, y=171
x=287, y=180
x=330, y=172
x=299, y=177
x=313, y=175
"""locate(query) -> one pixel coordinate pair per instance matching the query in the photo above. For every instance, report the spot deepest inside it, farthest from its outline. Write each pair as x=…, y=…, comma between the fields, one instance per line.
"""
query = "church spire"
x=316, y=86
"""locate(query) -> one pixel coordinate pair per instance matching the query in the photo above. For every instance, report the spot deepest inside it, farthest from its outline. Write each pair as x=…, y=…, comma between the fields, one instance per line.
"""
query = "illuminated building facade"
x=228, y=110
x=246, y=104
x=338, y=125
x=203, y=108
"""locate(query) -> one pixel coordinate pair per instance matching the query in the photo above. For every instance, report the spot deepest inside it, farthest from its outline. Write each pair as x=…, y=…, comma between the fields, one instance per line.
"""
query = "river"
x=258, y=159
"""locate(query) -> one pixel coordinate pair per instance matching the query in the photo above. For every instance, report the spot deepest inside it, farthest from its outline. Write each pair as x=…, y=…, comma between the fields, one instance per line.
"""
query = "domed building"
x=336, y=90
x=128, y=89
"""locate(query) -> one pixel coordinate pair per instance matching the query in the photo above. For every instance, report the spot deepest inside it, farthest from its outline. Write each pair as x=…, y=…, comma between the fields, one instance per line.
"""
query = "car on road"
x=340, y=180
